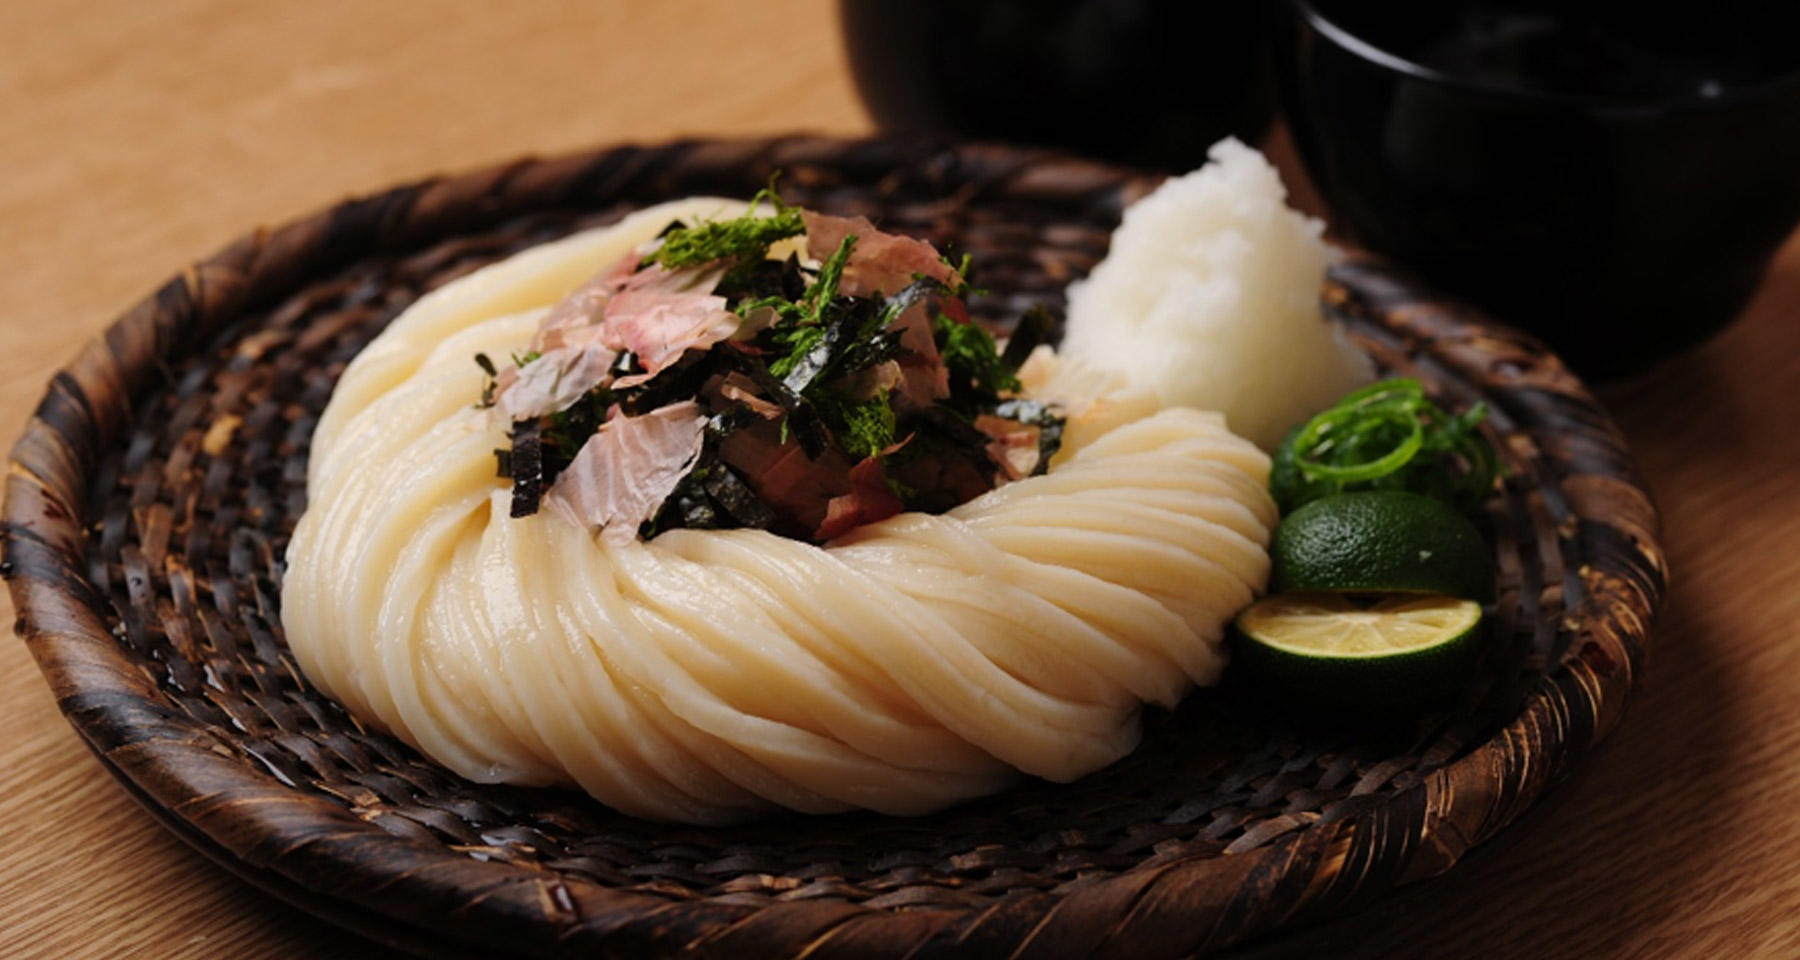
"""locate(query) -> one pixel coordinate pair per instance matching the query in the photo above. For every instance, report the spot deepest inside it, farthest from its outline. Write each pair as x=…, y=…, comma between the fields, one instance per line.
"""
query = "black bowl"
x=1148, y=82
x=1612, y=178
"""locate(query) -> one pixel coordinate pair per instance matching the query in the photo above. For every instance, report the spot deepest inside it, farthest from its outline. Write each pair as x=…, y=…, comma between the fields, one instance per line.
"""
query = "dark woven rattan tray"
x=150, y=500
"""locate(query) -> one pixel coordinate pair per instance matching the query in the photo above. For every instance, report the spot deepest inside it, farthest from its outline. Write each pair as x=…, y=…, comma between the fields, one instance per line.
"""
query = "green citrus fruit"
x=1337, y=653
x=1387, y=541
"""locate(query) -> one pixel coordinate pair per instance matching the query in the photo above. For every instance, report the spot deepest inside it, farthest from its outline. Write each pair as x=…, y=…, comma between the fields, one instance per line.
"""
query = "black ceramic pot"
x=1612, y=177
x=1150, y=82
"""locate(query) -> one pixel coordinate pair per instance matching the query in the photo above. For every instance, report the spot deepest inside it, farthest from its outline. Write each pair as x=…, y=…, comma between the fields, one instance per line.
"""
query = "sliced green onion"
x=1387, y=435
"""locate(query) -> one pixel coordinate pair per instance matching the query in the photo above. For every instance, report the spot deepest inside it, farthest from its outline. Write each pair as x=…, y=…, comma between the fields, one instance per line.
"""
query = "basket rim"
x=421, y=896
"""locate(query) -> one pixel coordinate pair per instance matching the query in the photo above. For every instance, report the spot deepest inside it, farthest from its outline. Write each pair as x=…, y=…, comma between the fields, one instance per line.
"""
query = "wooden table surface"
x=135, y=137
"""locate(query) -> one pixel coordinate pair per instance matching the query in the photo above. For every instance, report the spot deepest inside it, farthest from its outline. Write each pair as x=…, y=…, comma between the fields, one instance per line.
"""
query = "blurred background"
x=137, y=137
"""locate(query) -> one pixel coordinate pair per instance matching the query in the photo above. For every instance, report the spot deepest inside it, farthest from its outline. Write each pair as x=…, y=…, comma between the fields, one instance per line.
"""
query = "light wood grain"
x=135, y=137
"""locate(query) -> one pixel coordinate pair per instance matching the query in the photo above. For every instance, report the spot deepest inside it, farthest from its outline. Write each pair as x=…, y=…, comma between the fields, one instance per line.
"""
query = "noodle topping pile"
x=703, y=382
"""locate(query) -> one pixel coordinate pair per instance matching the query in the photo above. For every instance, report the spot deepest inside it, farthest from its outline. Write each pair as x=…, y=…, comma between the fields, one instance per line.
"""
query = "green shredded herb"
x=824, y=289
x=964, y=268
x=863, y=428
x=973, y=360
x=797, y=341
x=812, y=338
x=1386, y=436
x=748, y=237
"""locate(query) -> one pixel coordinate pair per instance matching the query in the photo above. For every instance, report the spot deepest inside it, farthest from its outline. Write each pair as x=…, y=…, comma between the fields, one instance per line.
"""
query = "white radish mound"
x=707, y=676
x=1210, y=297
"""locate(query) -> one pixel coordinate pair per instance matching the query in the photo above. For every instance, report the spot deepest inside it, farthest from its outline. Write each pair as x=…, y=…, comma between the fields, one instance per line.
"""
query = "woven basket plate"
x=149, y=503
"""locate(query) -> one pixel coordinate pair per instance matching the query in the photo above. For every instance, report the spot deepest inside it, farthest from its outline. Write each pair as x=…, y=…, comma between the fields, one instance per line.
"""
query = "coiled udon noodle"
x=707, y=675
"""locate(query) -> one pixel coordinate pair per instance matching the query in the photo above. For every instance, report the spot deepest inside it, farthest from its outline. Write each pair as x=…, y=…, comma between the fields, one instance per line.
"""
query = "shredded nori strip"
x=802, y=420
x=778, y=279
x=687, y=506
x=912, y=293
x=814, y=362
x=527, y=464
x=1033, y=330
x=711, y=497
x=670, y=385
x=734, y=496
x=489, y=381
x=855, y=336
x=869, y=351
x=562, y=434
x=952, y=426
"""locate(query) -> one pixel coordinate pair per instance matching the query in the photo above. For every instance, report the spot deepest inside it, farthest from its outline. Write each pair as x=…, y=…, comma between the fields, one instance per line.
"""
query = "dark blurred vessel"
x=1149, y=82
x=1614, y=177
